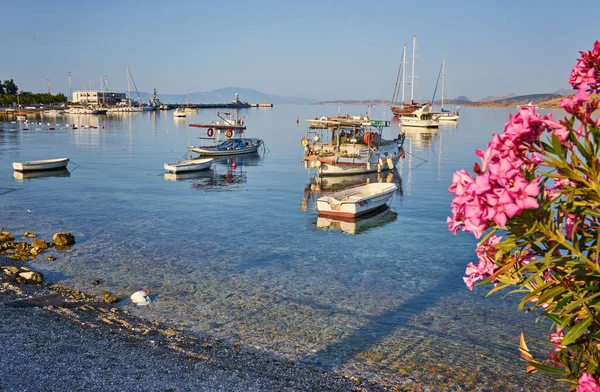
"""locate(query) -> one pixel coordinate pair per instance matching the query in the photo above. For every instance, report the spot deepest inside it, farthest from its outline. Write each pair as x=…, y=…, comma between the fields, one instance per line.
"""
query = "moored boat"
x=398, y=106
x=346, y=145
x=356, y=201
x=420, y=118
x=179, y=112
x=445, y=115
x=191, y=165
x=47, y=164
x=227, y=136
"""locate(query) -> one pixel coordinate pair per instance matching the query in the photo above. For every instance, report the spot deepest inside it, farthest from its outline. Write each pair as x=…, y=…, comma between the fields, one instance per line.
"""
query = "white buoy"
x=141, y=298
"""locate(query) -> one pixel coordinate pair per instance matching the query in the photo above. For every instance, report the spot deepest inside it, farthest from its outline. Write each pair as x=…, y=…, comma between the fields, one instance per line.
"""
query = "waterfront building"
x=98, y=97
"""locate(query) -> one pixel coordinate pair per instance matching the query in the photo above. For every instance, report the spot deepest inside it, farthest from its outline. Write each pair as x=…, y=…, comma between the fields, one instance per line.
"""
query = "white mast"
x=412, y=77
x=443, y=82
x=128, y=89
x=403, y=71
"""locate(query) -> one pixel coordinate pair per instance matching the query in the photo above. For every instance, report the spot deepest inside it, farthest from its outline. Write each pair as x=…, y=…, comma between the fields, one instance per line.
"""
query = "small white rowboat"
x=188, y=166
x=355, y=201
x=48, y=164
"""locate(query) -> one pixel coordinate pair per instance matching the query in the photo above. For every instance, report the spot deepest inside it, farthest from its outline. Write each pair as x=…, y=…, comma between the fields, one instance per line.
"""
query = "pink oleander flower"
x=486, y=266
x=574, y=104
x=556, y=338
x=588, y=383
x=587, y=69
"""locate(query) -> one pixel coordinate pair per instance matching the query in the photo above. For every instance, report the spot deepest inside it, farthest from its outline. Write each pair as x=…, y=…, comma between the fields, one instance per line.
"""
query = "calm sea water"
x=241, y=254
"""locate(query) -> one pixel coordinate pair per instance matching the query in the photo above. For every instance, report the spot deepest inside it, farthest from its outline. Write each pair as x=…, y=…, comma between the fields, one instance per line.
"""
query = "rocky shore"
x=60, y=339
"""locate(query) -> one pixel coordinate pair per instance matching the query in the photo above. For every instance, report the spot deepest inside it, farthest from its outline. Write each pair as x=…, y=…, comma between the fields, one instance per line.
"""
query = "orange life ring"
x=210, y=132
x=229, y=133
x=403, y=155
x=369, y=137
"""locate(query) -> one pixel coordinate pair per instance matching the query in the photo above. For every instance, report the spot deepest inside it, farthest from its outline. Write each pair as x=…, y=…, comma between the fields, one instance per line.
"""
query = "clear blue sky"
x=310, y=48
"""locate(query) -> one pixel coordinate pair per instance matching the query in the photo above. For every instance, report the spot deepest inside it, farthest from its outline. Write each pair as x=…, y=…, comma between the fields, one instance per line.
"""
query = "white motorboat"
x=346, y=145
x=21, y=118
x=48, y=164
x=227, y=137
x=356, y=201
x=188, y=166
x=179, y=112
x=420, y=118
x=81, y=110
x=52, y=112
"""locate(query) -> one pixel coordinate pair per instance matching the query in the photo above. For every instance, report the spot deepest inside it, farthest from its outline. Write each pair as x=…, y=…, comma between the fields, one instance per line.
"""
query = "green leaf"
x=548, y=369
x=548, y=295
x=575, y=332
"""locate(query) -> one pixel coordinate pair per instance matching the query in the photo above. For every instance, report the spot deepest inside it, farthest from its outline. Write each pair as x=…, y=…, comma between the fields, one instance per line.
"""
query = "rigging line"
x=436, y=86
x=136, y=89
x=8, y=190
x=396, y=86
x=424, y=160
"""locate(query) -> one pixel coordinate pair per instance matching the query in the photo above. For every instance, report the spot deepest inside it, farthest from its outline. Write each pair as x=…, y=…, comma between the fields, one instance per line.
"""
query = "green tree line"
x=9, y=92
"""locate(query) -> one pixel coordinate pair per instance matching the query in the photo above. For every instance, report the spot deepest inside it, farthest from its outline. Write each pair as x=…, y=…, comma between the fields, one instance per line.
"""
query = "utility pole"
x=48, y=85
x=70, y=88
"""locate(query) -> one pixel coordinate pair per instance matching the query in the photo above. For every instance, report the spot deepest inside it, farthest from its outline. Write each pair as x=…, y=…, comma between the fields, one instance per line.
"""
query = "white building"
x=98, y=97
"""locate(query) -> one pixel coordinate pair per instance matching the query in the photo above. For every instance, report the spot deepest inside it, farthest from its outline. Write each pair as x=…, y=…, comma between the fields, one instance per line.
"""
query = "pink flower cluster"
x=485, y=267
x=499, y=190
x=556, y=338
x=587, y=383
x=586, y=73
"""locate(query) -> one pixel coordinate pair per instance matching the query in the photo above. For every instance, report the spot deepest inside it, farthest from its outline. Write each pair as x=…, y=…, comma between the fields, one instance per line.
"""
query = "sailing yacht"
x=401, y=108
x=445, y=115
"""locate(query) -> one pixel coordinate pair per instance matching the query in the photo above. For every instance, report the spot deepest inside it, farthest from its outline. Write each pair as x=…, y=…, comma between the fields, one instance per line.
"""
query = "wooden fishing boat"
x=350, y=145
x=191, y=165
x=227, y=138
x=356, y=201
x=47, y=164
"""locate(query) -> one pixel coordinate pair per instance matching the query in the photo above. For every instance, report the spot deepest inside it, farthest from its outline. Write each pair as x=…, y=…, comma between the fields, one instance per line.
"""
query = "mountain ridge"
x=224, y=95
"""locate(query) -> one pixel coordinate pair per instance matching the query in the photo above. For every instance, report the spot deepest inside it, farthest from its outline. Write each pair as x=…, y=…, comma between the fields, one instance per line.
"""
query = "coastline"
x=79, y=342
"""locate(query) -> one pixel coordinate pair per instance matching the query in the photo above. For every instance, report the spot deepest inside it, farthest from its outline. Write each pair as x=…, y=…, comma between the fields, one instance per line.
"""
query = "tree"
x=535, y=200
x=1, y=89
x=10, y=87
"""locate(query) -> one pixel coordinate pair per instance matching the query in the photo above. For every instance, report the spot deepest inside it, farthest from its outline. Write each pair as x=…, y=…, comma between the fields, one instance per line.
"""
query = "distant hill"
x=517, y=100
x=456, y=101
x=225, y=95
x=555, y=102
x=492, y=98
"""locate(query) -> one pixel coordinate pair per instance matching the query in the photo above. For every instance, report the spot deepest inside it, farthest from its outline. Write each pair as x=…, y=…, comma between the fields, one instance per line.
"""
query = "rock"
x=63, y=239
x=30, y=276
x=10, y=270
x=40, y=244
x=50, y=258
x=108, y=297
x=29, y=235
x=95, y=282
x=34, y=251
x=6, y=236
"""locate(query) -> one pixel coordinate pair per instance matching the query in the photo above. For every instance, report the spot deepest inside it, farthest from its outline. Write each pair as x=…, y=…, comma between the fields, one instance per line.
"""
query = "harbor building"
x=98, y=97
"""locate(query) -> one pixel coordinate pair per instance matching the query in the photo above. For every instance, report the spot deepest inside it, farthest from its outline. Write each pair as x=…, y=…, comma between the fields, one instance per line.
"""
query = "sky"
x=318, y=49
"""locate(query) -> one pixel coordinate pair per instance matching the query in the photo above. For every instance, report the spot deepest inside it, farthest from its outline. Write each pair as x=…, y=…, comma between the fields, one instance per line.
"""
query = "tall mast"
x=412, y=76
x=443, y=81
x=403, y=71
x=70, y=88
x=128, y=89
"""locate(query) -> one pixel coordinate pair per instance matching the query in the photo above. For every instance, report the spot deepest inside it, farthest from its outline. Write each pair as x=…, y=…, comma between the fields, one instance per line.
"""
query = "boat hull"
x=348, y=167
x=411, y=122
x=188, y=166
x=355, y=202
x=48, y=164
x=213, y=152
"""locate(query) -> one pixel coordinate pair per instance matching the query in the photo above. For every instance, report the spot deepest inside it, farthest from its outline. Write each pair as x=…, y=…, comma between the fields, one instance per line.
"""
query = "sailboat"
x=400, y=108
x=445, y=115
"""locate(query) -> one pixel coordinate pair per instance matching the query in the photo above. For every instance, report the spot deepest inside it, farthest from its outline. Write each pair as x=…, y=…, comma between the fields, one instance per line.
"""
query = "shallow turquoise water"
x=240, y=253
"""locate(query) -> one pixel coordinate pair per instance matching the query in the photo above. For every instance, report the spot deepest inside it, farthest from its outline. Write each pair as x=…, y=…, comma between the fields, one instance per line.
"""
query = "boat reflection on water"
x=226, y=174
x=377, y=218
x=20, y=176
x=420, y=137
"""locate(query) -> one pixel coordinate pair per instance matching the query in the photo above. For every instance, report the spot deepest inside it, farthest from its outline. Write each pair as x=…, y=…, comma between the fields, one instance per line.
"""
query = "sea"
x=239, y=252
